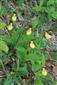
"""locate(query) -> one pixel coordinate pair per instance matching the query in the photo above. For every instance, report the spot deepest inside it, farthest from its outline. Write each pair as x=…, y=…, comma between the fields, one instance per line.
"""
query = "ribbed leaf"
x=2, y=25
x=3, y=46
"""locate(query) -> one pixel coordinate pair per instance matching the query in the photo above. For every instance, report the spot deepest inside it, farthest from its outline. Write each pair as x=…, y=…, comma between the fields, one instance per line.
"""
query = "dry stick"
x=23, y=82
x=17, y=61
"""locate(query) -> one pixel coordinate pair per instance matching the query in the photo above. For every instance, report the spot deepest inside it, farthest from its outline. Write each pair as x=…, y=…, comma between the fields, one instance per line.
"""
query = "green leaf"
x=6, y=38
x=42, y=2
x=9, y=81
x=3, y=46
x=23, y=70
x=1, y=54
x=35, y=22
x=36, y=66
x=20, y=2
x=2, y=25
x=15, y=35
x=37, y=8
x=38, y=80
x=19, y=84
x=54, y=14
x=51, y=2
x=21, y=49
x=51, y=12
x=3, y=11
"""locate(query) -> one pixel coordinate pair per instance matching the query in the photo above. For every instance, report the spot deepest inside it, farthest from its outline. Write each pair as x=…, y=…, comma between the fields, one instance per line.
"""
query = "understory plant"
x=22, y=56
x=23, y=52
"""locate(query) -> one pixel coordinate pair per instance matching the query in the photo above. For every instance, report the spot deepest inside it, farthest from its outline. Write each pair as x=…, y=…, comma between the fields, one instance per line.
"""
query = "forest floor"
x=23, y=20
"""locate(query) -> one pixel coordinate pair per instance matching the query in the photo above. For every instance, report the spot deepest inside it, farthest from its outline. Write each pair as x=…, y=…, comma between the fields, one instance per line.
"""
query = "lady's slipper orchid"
x=32, y=45
x=29, y=31
x=14, y=17
x=10, y=27
x=44, y=72
x=47, y=36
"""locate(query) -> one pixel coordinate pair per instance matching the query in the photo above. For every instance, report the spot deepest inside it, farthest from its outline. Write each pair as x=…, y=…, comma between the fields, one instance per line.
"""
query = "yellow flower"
x=44, y=72
x=32, y=45
x=12, y=72
x=10, y=27
x=47, y=36
x=14, y=18
x=29, y=31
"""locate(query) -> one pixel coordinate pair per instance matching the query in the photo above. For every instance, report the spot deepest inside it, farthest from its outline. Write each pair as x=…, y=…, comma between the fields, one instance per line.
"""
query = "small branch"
x=23, y=82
